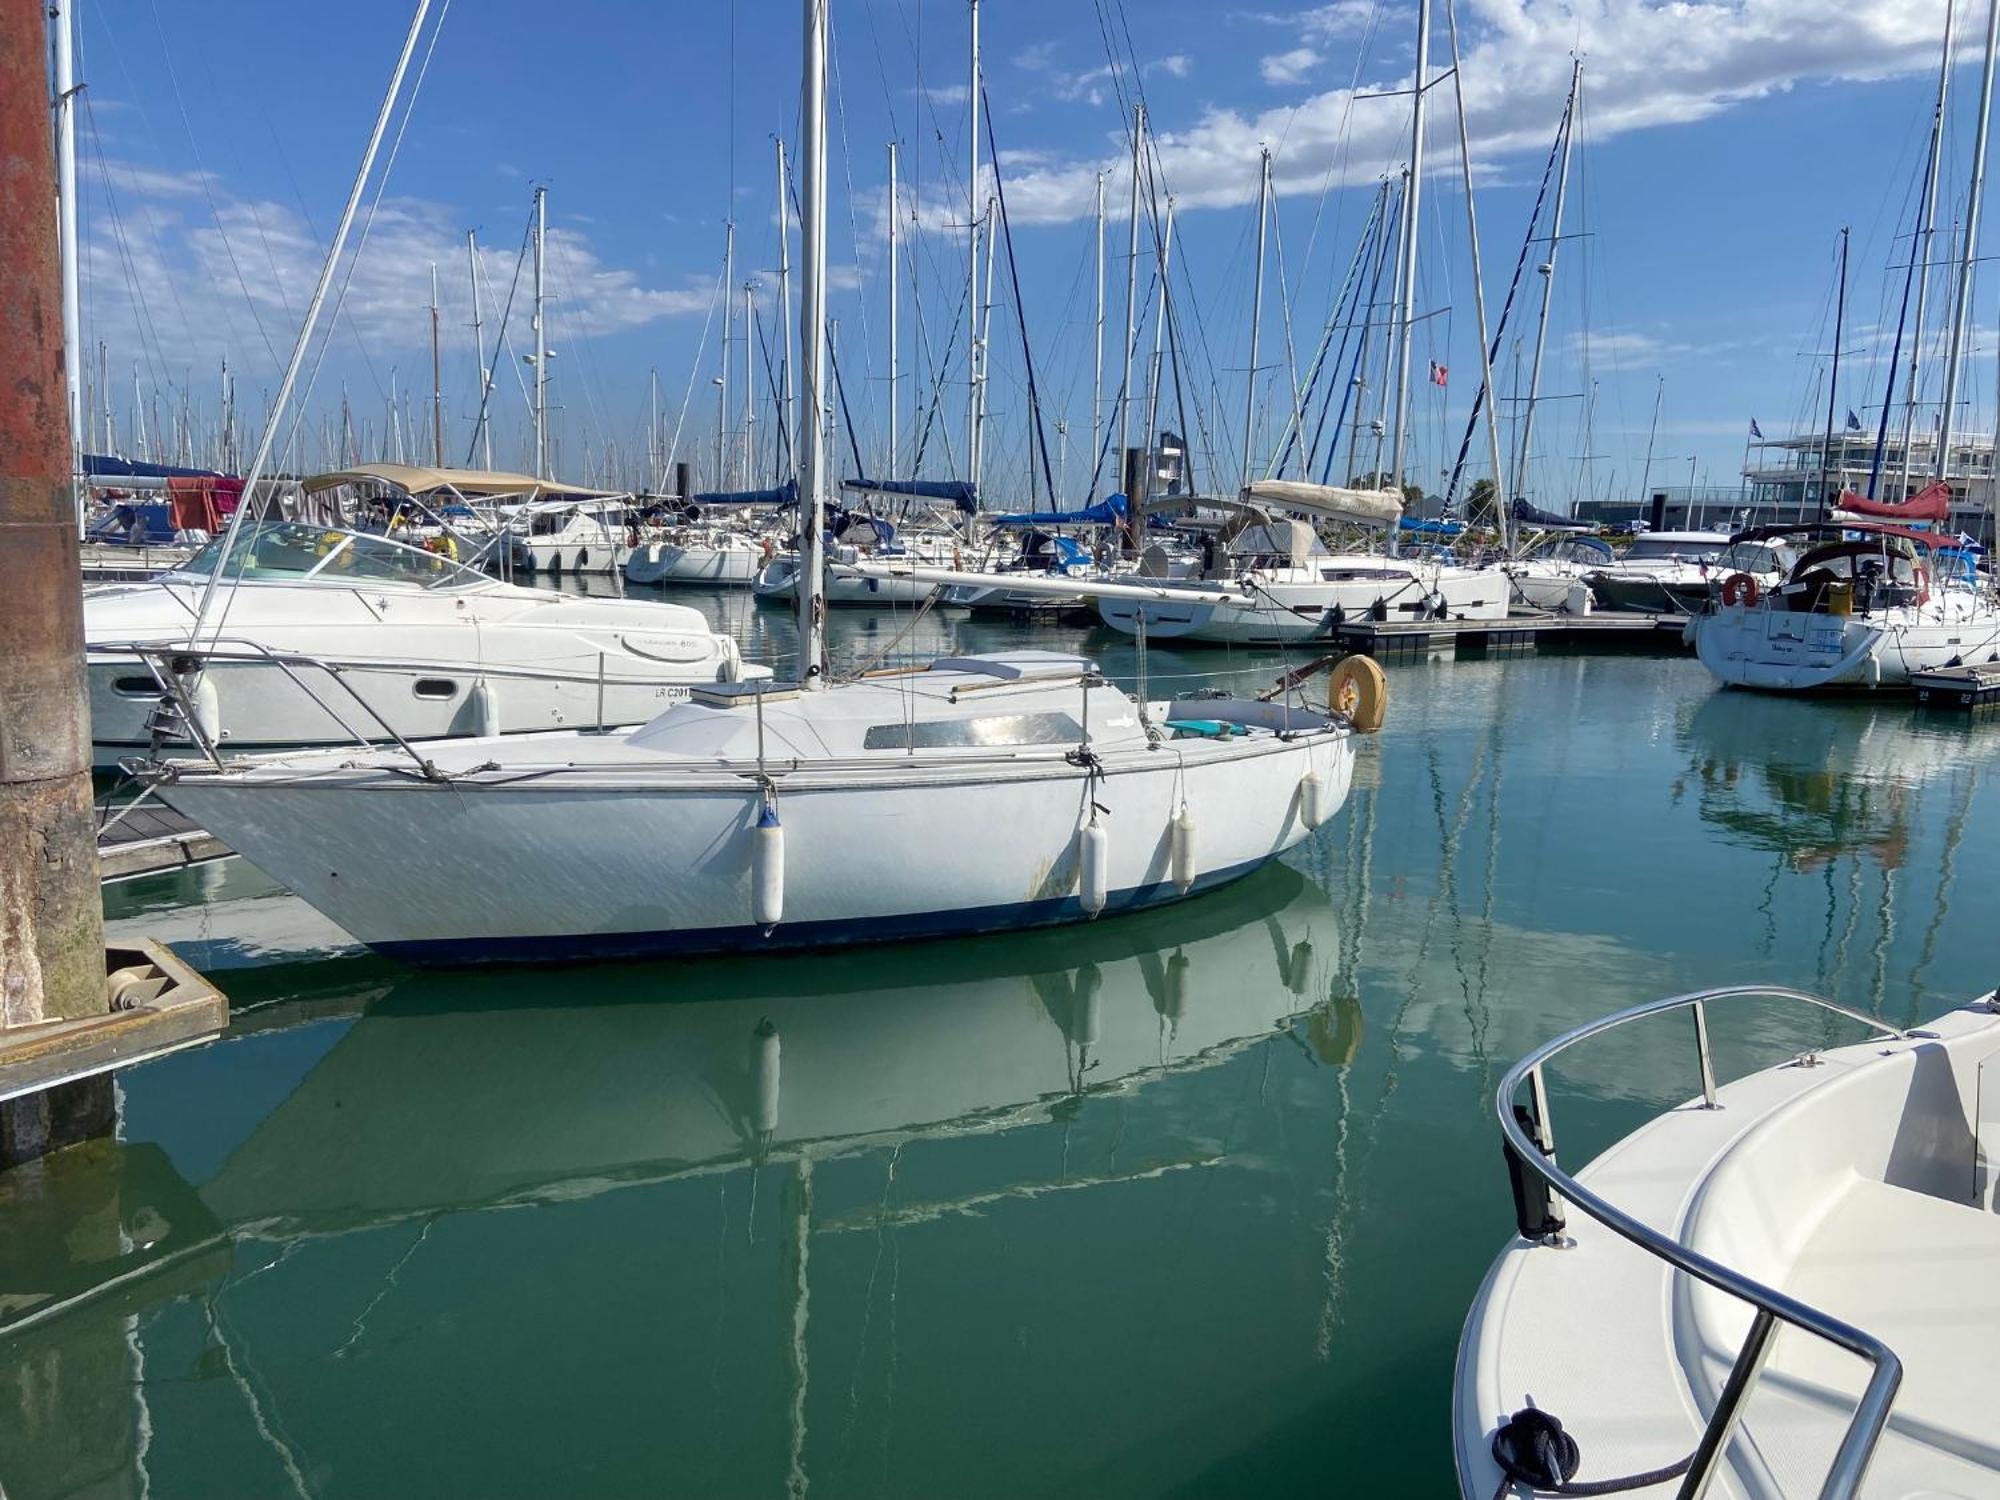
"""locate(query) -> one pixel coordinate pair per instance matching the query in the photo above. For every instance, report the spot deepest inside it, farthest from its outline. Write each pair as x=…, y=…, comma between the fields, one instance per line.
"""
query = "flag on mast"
x=1439, y=374
x=1756, y=432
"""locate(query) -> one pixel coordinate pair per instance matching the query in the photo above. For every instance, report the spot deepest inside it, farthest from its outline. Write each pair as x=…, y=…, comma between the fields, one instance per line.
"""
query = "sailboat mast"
x=1969, y=250
x=1501, y=509
x=1154, y=382
x=1097, y=350
x=724, y=450
x=1833, y=378
x=541, y=341
x=789, y=416
x=1922, y=249
x=811, y=436
x=64, y=22
x=889, y=468
x=437, y=378
x=653, y=454
x=985, y=342
x=1131, y=294
x=1256, y=307
x=1413, y=198
x=1548, y=270
x=749, y=385
x=485, y=433
x=972, y=402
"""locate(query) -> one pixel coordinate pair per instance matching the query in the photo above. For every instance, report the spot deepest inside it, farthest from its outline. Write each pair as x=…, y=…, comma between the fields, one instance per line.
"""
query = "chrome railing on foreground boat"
x=1530, y=1143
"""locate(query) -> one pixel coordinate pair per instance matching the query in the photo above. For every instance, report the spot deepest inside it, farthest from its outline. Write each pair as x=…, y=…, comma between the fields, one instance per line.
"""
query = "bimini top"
x=417, y=479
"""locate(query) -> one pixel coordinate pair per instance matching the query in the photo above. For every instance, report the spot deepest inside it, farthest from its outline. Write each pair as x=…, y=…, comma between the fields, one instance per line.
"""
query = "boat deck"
x=1958, y=687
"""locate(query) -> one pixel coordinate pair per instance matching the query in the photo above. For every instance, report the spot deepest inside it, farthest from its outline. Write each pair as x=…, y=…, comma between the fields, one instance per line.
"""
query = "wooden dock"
x=1419, y=640
x=1965, y=688
x=151, y=838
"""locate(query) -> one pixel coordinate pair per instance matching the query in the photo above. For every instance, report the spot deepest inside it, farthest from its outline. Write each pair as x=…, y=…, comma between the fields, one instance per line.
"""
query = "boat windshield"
x=1754, y=557
x=295, y=551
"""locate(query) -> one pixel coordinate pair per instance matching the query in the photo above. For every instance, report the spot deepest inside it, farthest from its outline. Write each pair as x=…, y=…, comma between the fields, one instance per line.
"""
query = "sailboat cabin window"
x=988, y=732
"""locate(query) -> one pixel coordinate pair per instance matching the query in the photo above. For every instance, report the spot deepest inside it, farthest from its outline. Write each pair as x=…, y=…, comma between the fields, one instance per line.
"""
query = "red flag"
x=1438, y=373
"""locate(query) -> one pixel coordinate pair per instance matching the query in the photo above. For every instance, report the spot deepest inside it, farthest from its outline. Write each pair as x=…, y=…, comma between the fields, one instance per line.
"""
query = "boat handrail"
x=1536, y=1153
x=160, y=657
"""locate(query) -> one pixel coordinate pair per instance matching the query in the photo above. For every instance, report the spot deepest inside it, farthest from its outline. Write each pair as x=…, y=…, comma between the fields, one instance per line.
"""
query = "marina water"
x=1186, y=1203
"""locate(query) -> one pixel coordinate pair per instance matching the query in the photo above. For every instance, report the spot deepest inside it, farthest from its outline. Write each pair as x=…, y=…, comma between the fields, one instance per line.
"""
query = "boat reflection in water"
x=712, y=1245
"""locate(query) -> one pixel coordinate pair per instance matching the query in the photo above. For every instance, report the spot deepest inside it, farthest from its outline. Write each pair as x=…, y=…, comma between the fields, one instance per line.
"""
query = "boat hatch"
x=985, y=732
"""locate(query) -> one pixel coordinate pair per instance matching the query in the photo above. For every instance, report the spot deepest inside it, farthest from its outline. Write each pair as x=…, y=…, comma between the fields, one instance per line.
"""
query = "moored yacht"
x=1865, y=605
x=1778, y=1288
x=1278, y=582
x=1550, y=572
x=1639, y=579
x=326, y=636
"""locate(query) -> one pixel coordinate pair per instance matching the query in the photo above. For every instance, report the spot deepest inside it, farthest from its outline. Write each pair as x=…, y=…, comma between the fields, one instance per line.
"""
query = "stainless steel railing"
x=1535, y=1153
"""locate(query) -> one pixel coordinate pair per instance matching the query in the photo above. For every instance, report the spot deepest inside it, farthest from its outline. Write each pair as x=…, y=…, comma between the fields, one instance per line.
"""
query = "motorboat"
x=1638, y=580
x=710, y=556
x=760, y=818
x=325, y=636
x=570, y=533
x=1865, y=605
x=1777, y=1288
x=1551, y=572
x=1765, y=561
x=1278, y=582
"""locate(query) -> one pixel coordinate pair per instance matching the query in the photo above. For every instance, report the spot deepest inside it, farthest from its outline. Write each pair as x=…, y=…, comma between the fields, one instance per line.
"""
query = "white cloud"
x=1647, y=65
x=1289, y=67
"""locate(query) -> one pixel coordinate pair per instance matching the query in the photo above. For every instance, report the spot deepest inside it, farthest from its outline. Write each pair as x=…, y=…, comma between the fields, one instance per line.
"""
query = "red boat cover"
x=200, y=503
x=1931, y=503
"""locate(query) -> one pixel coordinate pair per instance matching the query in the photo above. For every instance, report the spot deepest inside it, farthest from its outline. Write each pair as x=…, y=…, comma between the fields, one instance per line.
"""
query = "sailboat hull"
x=616, y=862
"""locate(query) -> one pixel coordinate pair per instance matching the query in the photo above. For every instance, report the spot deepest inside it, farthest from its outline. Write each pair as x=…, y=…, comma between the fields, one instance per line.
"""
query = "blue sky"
x=1721, y=147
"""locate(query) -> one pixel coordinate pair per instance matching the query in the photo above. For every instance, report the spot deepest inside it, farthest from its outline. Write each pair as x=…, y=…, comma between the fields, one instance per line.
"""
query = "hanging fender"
x=1181, y=849
x=767, y=867
x=1093, y=867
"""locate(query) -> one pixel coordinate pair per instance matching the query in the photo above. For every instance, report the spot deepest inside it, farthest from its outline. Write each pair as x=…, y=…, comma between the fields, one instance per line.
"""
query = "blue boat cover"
x=107, y=466
x=955, y=491
x=1110, y=511
x=783, y=494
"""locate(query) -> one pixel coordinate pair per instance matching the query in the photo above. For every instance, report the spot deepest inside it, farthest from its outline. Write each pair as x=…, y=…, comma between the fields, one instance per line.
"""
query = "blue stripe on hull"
x=790, y=937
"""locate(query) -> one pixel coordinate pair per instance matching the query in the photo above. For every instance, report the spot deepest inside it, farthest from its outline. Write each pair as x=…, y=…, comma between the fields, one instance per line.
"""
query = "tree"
x=1479, y=507
x=1413, y=494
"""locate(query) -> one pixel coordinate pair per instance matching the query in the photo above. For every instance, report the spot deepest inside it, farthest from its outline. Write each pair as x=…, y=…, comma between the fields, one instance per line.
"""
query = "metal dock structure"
x=143, y=839
x=1417, y=640
x=1966, y=688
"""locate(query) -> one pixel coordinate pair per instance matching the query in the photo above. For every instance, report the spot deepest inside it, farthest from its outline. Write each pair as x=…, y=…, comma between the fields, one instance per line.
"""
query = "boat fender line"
x=1093, y=866
x=1532, y=1449
x=485, y=702
x=1181, y=848
x=767, y=867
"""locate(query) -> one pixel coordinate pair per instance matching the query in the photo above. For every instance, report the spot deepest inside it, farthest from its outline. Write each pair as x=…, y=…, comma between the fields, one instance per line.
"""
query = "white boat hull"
x=1779, y=650
x=1274, y=612
x=708, y=567
x=621, y=868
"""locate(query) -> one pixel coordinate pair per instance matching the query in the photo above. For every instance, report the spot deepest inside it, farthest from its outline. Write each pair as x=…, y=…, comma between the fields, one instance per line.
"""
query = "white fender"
x=1312, y=799
x=1579, y=601
x=207, y=705
x=767, y=869
x=485, y=699
x=1182, y=842
x=1093, y=867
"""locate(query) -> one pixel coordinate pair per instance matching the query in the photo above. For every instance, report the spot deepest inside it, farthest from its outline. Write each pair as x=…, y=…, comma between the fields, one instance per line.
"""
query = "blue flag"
x=1853, y=422
x=1756, y=431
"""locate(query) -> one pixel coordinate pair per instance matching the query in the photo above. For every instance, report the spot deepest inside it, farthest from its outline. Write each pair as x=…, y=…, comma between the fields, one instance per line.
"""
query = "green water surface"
x=1184, y=1203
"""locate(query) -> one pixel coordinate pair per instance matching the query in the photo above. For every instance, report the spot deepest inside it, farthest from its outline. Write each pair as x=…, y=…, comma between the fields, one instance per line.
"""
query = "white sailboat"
x=975, y=794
